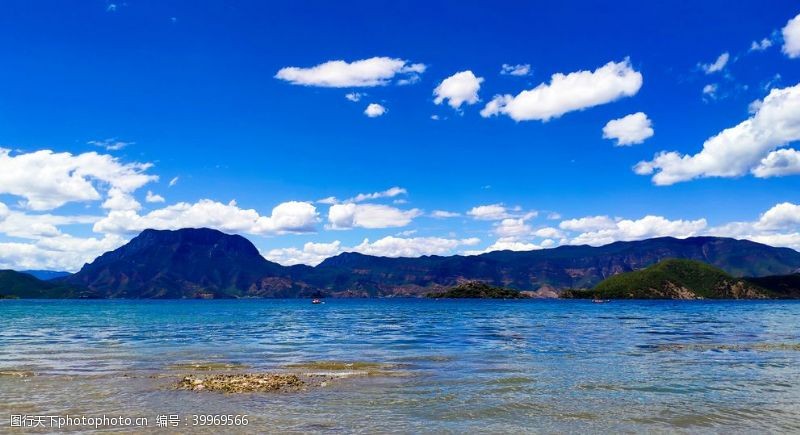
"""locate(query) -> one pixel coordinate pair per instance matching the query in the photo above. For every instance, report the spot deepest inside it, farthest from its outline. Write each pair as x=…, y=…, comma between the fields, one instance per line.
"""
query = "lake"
x=452, y=365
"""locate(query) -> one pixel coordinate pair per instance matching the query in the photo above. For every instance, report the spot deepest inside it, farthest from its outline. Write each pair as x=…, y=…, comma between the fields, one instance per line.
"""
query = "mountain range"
x=206, y=263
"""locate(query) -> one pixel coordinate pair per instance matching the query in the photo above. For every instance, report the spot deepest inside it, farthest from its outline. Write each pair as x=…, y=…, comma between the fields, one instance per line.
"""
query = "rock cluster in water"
x=242, y=383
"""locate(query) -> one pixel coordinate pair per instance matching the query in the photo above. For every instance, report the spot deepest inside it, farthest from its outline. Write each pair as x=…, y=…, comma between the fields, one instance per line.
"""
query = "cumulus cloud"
x=62, y=252
x=778, y=226
x=717, y=65
x=511, y=227
x=569, y=92
x=736, y=150
x=34, y=226
x=588, y=223
x=287, y=217
x=391, y=246
x=779, y=163
x=352, y=215
x=118, y=199
x=47, y=180
x=781, y=216
x=459, y=88
x=311, y=254
x=629, y=130
x=375, y=71
x=791, y=38
x=515, y=70
x=152, y=197
x=374, y=110
x=644, y=228
x=491, y=212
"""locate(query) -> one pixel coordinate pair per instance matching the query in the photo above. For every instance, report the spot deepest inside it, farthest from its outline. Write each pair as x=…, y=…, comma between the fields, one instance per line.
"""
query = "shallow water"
x=442, y=365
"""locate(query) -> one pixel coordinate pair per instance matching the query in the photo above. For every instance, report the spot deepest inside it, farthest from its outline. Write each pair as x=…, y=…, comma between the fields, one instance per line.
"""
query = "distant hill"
x=187, y=263
x=204, y=263
x=46, y=275
x=477, y=290
x=25, y=286
x=674, y=279
x=782, y=286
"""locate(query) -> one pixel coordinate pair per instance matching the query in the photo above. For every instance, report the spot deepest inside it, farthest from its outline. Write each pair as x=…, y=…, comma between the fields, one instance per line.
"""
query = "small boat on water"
x=316, y=301
x=600, y=301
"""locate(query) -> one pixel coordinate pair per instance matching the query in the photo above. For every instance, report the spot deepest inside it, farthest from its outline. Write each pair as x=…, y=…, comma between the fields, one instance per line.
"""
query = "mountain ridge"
x=200, y=263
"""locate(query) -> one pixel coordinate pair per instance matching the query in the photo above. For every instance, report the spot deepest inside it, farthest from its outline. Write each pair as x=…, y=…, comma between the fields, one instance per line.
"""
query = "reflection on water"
x=417, y=365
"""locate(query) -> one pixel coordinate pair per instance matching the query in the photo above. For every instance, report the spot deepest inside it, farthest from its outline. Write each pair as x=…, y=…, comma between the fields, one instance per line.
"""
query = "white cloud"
x=629, y=130
x=329, y=200
x=388, y=193
x=459, y=88
x=354, y=96
x=152, y=197
x=761, y=45
x=779, y=163
x=737, y=150
x=361, y=197
x=569, y=92
x=375, y=71
x=48, y=180
x=512, y=244
x=781, y=216
x=778, y=226
x=62, y=252
x=374, y=110
x=717, y=65
x=443, y=214
x=515, y=70
x=352, y=215
x=549, y=233
x=791, y=38
x=314, y=253
x=35, y=226
x=412, y=247
x=491, y=212
x=173, y=181
x=120, y=200
x=710, y=90
x=644, y=228
x=111, y=144
x=287, y=217
x=511, y=227
x=588, y=223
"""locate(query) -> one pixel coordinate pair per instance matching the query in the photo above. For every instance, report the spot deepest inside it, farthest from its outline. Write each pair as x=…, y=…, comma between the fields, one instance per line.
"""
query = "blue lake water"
x=457, y=366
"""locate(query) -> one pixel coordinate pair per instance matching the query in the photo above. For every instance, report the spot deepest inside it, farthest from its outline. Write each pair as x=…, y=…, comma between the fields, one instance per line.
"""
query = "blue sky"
x=192, y=92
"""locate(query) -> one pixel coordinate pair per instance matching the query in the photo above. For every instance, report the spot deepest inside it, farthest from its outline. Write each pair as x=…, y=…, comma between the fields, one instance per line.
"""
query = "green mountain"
x=674, y=279
x=478, y=290
x=22, y=285
x=205, y=263
x=782, y=286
